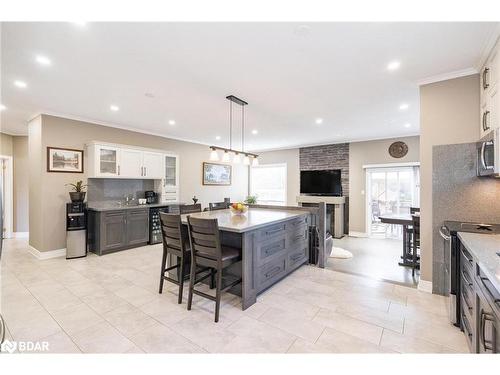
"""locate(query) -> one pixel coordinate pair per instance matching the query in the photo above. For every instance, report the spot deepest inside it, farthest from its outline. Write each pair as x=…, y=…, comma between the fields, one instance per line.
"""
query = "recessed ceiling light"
x=149, y=95
x=43, y=60
x=171, y=122
x=255, y=132
x=393, y=65
x=217, y=138
x=319, y=121
x=114, y=108
x=403, y=106
x=20, y=84
x=2, y=107
x=407, y=125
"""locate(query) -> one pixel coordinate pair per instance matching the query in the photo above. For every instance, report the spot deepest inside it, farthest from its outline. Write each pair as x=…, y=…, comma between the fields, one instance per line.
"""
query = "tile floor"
x=111, y=304
x=373, y=257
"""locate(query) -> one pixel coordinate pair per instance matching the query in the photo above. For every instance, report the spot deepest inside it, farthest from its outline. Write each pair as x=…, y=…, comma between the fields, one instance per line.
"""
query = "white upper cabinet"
x=489, y=98
x=171, y=170
x=131, y=163
x=152, y=164
x=117, y=161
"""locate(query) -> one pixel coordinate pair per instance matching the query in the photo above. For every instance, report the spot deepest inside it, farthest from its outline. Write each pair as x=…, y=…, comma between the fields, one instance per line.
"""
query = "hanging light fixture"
x=255, y=162
x=226, y=157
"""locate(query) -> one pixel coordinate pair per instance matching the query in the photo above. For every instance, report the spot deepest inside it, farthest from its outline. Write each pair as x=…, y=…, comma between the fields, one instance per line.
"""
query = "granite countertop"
x=255, y=218
x=113, y=206
x=484, y=247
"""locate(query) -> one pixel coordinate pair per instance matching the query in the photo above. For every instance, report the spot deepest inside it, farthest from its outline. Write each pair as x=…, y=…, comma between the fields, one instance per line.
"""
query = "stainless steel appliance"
x=151, y=197
x=448, y=232
x=76, y=230
x=488, y=154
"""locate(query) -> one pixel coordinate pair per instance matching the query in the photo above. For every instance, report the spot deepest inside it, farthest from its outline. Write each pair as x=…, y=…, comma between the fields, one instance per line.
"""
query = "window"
x=268, y=183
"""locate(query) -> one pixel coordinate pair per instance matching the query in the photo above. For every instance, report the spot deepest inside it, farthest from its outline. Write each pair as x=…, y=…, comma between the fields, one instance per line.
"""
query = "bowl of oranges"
x=238, y=208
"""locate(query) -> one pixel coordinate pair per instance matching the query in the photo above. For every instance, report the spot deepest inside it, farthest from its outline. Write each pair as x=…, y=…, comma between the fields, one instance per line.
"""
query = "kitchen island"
x=273, y=242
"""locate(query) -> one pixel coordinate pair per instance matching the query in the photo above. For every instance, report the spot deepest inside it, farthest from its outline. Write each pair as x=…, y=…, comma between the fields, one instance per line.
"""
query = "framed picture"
x=216, y=174
x=64, y=160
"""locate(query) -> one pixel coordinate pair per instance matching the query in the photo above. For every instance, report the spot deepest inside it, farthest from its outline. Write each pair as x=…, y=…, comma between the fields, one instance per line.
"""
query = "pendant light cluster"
x=230, y=154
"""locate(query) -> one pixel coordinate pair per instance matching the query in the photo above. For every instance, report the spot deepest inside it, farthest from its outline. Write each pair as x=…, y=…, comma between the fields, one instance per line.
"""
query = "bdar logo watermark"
x=24, y=346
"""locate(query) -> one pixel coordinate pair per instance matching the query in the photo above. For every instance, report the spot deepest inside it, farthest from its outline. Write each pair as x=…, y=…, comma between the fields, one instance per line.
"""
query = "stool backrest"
x=190, y=208
x=218, y=205
x=173, y=233
x=414, y=210
x=416, y=225
x=204, y=238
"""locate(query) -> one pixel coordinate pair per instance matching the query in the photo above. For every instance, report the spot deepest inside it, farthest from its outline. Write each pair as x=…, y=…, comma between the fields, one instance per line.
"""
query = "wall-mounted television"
x=326, y=182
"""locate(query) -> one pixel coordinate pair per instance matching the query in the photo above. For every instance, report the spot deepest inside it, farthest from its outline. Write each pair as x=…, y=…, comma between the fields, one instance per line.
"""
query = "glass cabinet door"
x=170, y=171
x=108, y=161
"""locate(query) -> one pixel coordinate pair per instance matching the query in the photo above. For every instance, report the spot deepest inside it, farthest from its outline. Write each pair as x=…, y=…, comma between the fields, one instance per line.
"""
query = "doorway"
x=6, y=196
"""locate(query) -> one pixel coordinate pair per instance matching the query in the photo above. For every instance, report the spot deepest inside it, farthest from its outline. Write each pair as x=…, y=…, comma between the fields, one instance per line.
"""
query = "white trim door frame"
x=8, y=189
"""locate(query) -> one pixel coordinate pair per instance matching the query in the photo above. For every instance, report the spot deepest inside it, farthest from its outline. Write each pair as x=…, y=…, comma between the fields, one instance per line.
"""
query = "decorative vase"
x=194, y=200
x=77, y=196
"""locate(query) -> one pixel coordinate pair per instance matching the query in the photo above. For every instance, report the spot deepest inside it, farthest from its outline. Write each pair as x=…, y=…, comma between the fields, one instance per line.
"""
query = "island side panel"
x=248, y=269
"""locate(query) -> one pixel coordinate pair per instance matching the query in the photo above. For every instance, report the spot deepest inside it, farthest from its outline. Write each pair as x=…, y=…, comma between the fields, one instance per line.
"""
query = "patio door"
x=390, y=190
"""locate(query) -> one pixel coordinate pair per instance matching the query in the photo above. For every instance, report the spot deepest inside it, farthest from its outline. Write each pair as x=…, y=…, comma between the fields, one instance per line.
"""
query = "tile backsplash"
x=112, y=189
x=458, y=195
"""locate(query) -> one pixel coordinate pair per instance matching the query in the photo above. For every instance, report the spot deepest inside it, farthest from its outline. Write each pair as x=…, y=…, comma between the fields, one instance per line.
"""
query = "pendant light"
x=255, y=162
x=238, y=154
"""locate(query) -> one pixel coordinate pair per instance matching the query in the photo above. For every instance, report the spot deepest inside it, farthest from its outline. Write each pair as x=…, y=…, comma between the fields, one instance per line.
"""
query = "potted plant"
x=251, y=199
x=78, y=195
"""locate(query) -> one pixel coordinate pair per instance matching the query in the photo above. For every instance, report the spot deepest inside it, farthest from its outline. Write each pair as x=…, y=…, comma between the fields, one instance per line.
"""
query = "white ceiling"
x=290, y=74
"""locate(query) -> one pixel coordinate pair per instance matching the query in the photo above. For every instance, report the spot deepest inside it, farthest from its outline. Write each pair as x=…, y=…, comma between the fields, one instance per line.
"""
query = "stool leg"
x=192, y=276
x=212, y=278
x=181, y=278
x=163, y=263
x=218, y=294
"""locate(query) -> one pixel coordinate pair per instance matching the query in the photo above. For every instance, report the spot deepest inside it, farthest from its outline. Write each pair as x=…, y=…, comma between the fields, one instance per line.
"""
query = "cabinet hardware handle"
x=484, y=317
x=273, y=272
x=485, y=81
x=296, y=257
x=466, y=278
x=466, y=303
x=466, y=257
x=273, y=231
x=466, y=324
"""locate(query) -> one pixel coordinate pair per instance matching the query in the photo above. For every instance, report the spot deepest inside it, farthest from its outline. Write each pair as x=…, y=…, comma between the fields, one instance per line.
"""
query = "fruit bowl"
x=238, y=208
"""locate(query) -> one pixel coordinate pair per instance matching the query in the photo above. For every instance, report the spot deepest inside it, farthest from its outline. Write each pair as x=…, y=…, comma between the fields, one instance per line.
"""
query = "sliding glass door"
x=390, y=191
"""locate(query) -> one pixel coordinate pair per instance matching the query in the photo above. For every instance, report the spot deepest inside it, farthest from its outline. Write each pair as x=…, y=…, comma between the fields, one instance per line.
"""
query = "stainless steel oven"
x=488, y=154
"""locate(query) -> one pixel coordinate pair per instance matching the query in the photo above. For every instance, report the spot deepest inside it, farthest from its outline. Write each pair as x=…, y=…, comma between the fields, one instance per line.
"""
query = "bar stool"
x=207, y=251
x=176, y=243
x=219, y=205
x=190, y=208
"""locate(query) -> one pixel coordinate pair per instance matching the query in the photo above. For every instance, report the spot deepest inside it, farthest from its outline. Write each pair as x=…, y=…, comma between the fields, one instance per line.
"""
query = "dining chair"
x=190, y=208
x=415, y=243
x=219, y=205
x=207, y=251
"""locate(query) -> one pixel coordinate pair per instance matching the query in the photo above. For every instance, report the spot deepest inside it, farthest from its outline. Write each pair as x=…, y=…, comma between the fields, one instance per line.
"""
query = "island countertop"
x=484, y=247
x=254, y=218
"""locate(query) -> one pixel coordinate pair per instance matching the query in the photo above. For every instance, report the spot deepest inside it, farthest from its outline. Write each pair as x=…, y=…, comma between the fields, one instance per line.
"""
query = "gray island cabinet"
x=114, y=230
x=273, y=242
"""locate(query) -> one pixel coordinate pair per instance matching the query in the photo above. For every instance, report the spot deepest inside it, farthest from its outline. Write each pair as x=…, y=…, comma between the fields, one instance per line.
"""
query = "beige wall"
x=47, y=225
x=21, y=183
x=449, y=113
x=5, y=144
x=371, y=152
x=291, y=158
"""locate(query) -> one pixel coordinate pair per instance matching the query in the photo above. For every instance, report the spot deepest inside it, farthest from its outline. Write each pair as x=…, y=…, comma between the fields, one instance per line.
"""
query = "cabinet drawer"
x=467, y=327
x=466, y=260
x=269, y=249
x=296, y=223
x=269, y=273
x=297, y=257
x=297, y=236
x=269, y=232
x=467, y=303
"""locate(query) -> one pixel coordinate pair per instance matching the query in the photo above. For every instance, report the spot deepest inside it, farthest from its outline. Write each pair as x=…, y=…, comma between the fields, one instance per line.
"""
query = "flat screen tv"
x=321, y=182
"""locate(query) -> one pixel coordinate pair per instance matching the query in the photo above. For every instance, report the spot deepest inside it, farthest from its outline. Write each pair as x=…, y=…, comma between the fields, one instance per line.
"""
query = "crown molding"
x=447, y=76
x=487, y=47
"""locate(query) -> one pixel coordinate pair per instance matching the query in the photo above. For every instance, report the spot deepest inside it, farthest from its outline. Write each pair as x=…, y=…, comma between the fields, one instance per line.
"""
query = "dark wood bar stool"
x=415, y=243
x=207, y=251
x=219, y=205
x=176, y=243
x=190, y=208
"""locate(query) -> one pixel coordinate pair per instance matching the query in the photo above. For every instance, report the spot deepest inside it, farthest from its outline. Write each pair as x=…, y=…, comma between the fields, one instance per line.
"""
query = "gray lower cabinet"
x=111, y=231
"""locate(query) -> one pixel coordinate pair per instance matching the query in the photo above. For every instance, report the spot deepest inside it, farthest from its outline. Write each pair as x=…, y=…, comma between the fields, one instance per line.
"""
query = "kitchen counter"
x=255, y=218
x=484, y=247
x=112, y=206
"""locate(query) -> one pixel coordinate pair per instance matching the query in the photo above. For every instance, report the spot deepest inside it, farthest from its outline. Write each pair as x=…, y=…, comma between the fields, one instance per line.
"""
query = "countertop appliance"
x=448, y=232
x=76, y=230
x=488, y=154
x=155, y=225
x=151, y=196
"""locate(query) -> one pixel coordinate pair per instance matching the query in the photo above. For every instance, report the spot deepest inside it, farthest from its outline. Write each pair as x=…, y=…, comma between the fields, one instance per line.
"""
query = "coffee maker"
x=151, y=197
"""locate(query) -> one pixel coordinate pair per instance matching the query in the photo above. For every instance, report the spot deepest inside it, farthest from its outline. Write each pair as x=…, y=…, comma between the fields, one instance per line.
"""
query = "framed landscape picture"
x=64, y=160
x=216, y=174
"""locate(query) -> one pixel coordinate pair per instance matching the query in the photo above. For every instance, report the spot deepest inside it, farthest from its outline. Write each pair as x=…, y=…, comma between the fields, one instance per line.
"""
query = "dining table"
x=405, y=220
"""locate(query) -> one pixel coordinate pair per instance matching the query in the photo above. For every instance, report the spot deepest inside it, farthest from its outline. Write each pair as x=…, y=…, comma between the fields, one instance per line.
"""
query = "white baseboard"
x=42, y=255
x=425, y=286
x=21, y=234
x=357, y=234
